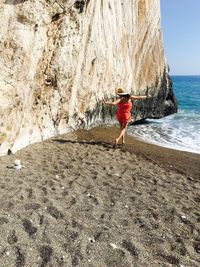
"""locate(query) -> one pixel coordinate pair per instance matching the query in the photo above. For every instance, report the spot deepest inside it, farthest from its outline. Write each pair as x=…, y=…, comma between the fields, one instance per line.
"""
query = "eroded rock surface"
x=58, y=59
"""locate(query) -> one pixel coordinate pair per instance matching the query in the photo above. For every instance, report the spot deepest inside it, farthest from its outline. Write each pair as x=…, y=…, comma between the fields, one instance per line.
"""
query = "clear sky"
x=181, y=34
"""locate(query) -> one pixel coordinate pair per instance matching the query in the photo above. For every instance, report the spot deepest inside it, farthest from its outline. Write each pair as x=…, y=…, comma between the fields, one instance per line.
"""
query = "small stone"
x=10, y=152
x=113, y=245
x=17, y=167
x=90, y=195
x=48, y=81
x=184, y=218
x=17, y=162
x=92, y=240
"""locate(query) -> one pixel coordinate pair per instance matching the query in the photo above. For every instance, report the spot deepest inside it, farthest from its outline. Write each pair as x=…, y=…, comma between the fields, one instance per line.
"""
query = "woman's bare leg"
x=122, y=133
x=123, y=137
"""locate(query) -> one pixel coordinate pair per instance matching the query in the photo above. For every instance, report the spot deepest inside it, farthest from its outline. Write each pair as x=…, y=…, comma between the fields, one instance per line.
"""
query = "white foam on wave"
x=180, y=131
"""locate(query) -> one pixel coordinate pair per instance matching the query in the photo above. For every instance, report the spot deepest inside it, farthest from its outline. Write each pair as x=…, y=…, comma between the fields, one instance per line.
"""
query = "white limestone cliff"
x=58, y=59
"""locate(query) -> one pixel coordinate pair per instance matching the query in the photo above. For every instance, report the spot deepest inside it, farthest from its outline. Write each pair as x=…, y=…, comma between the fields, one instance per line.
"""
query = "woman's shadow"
x=94, y=143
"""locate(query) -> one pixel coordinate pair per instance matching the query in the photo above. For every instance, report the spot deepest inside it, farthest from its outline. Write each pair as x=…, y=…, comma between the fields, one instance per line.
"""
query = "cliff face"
x=58, y=59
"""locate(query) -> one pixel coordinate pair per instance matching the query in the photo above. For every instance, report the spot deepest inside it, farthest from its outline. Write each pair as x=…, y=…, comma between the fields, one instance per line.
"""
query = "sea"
x=180, y=131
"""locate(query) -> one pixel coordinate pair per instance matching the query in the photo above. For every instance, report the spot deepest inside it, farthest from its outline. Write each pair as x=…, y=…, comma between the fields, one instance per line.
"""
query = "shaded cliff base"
x=79, y=202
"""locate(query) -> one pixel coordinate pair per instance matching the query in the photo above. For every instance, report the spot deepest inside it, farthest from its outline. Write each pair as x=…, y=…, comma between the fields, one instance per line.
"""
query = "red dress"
x=124, y=111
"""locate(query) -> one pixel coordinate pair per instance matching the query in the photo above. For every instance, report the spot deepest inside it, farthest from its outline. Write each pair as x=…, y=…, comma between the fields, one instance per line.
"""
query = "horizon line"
x=184, y=74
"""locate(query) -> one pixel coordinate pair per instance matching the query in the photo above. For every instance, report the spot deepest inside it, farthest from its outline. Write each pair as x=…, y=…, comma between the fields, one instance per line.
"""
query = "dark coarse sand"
x=79, y=202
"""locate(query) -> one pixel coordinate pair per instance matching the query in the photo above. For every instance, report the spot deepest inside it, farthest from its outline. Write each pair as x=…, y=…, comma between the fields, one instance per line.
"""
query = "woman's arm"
x=139, y=96
x=112, y=103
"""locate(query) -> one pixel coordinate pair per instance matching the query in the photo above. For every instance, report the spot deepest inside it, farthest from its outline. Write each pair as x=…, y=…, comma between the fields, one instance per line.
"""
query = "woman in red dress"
x=124, y=104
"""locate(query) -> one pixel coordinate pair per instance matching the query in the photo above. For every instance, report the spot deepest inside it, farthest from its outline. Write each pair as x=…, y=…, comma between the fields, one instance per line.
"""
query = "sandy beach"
x=78, y=202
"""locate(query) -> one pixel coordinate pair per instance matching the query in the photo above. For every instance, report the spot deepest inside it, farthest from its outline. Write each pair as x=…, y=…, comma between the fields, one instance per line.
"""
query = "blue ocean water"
x=181, y=130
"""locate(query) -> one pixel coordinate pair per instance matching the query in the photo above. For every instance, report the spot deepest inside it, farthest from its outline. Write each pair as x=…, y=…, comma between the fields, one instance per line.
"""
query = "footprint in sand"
x=54, y=212
x=130, y=248
x=20, y=257
x=3, y=220
x=30, y=192
x=29, y=227
x=32, y=206
x=197, y=247
x=170, y=259
x=46, y=254
x=12, y=238
x=44, y=189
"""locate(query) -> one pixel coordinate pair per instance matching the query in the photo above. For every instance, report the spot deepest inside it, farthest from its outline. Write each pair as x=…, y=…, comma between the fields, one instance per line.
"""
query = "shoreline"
x=182, y=161
x=181, y=149
x=79, y=202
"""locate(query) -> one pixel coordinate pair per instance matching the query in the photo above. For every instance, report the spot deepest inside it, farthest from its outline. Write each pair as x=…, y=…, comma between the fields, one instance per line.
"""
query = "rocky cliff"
x=59, y=58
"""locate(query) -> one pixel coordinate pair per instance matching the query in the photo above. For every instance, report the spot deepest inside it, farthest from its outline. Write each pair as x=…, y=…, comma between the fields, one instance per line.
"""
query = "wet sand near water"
x=79, y=202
